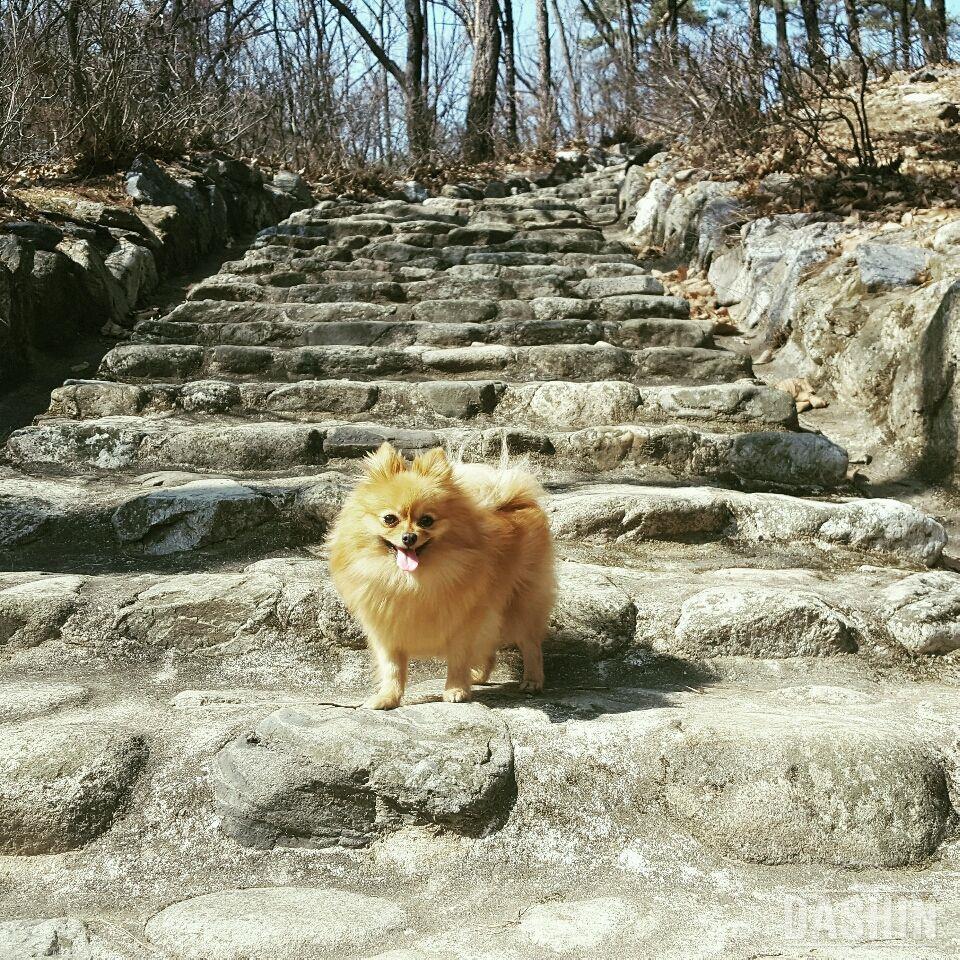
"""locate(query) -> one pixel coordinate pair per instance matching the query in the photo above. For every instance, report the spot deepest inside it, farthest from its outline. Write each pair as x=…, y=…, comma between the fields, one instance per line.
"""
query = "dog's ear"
x=383, y=464
x=434, y=465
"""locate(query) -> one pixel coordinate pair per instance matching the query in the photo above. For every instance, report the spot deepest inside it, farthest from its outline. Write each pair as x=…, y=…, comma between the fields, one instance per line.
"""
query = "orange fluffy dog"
x=448, y=561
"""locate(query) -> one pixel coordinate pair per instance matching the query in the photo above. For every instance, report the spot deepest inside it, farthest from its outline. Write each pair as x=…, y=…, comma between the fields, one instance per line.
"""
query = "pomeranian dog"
x=452, y=561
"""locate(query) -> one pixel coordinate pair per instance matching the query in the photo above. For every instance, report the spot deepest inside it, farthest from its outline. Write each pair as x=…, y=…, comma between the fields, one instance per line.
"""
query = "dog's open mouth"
x=407, y=560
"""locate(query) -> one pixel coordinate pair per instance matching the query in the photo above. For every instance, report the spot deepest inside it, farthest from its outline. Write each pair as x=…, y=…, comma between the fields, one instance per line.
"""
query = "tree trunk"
x=415, y=97
x=811, y=24
x=578, y=126
x=510, y=73
x=482, y=99
x=853, y=25
x=756, y=32
x=922, y=15
x=906, y=36
x=547, y=120
x=87, y=138
x=409, y=79
x=938, y=25
x=673, y=20
x=783, y=41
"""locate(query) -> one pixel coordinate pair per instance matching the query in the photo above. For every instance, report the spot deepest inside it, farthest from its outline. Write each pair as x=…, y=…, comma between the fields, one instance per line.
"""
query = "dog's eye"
x=391, y=520
x=426, y=520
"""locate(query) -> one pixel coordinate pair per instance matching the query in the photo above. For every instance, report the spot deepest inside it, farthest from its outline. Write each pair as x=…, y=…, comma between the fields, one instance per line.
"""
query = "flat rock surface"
x=272, y=923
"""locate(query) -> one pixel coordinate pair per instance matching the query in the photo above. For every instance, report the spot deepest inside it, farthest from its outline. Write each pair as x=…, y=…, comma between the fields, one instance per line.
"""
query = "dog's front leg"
x=464, y=652
x=459, y=664
x=392, y=673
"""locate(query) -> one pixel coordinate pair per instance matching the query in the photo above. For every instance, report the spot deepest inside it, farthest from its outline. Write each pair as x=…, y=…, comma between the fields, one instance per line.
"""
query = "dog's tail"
x=505, y=489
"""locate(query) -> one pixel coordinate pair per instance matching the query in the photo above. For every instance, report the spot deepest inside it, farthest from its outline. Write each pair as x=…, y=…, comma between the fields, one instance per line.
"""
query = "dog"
x=448, y=561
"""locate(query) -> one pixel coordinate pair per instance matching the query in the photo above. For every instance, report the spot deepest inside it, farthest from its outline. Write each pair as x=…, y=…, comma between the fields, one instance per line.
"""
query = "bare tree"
x=482, y=97
x=510, y=73
x=547, y=120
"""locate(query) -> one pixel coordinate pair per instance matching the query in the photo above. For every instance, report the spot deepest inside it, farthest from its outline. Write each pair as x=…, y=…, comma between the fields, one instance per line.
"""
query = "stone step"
x=373, y=236
x=289, y=606
x=460, y=310
x=622, y=514
x=292, y=287
x=553, y=405
x=84, y=525
x=527, y=281
x=326, y=775
x=780, y=459
x=641, y=332
x=577, y=362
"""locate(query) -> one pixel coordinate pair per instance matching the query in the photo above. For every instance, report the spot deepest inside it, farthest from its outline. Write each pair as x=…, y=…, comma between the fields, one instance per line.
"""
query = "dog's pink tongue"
x=407, y=560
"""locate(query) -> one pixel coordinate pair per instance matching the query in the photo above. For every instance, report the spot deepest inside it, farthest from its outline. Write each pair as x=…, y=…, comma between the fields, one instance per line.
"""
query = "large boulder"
x=697, y=219
x=777, y=252
x=774, y=790
x=62, y=783
x=923, y=612
x=190, y=516
x=649, y=221
x=762, y=623
x=321, y=776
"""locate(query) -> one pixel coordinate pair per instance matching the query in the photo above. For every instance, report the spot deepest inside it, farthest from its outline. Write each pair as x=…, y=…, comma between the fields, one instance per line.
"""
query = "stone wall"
x=85, y=268
x=865, y=310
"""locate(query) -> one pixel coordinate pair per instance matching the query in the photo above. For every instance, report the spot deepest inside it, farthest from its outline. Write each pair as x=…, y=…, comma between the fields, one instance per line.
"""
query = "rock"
x=34, y=612
x=947, y=237
x=293, y=184
x=618, y=512
x=593, y=616
x=777, y=252
x=272, y=923
x=44, y=236
x=412, y=190
x=148, y=184
x=696, y=221
x=728, y=277
x=649, y=220
x=23, y=699
x=886, y=265
x=787, y=459
x=924, y=612
x=21, y=520
x=874, y=524
x=101, y=286
x=65, y=937
x=575, y=925
x=762, y=623
x=320, y=776
x=199, y=614
x=135, y=270
x=62, y=784
x=774, y=790
x=195, y=514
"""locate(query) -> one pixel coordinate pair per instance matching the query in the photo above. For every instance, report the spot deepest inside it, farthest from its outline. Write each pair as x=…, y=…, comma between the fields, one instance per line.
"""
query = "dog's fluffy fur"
x=483, y=574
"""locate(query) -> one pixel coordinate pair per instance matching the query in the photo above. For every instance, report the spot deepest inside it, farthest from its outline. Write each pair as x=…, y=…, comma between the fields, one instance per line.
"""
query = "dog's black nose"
x=409, y=539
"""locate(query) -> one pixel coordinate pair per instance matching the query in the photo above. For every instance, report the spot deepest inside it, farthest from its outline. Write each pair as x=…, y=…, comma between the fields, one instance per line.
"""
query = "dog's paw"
x=456, y=695
x=382, y=702
x=478, y=675
x=531, y=686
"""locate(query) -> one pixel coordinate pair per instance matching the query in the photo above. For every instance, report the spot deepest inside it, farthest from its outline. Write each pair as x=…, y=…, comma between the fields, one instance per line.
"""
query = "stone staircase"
x=749, y=719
